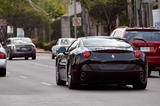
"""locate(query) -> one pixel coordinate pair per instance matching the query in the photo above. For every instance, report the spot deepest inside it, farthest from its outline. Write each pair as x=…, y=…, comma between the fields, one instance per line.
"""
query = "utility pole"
x=75, y=16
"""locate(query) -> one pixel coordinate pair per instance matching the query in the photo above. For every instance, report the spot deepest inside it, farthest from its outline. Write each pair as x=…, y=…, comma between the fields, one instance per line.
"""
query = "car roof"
x=18, y=38
x=139, y=28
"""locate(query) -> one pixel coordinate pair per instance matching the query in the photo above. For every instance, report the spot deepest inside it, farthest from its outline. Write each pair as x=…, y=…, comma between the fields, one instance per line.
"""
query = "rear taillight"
x=2, y=56
x=138, y=54
x=86, y=54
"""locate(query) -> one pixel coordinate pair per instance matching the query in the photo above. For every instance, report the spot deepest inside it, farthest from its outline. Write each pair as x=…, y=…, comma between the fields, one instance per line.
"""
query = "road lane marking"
x=45, y=83
x=23, y=77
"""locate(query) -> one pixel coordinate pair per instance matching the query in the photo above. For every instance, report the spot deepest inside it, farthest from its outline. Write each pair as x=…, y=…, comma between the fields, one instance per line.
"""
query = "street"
x=32, y=83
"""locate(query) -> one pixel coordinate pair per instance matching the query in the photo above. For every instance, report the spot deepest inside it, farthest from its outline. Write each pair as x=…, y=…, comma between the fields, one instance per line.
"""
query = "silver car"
x=20, y=47
x=62, y=42
x=3, y=61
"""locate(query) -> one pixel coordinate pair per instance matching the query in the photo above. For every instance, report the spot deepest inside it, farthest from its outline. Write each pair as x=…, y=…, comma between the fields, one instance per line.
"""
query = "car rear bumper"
x=110, y=77
x=23, y=54
x=153, y=61
x=128, y=76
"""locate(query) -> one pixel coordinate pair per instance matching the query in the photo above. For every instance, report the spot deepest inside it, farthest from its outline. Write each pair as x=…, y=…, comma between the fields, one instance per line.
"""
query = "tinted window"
x=146, y=35
x=22, y=40
x=104, y=43
x=66, y=41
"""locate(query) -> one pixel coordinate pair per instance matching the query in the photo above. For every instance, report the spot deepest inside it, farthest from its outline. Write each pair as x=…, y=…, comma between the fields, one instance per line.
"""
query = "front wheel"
x=58, y=80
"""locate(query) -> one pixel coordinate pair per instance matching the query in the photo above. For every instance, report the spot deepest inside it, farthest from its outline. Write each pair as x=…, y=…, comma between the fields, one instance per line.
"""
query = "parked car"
x=145, y=39
x=3, y=61
x=62, y=42
x=101, y=60
x=20, y=47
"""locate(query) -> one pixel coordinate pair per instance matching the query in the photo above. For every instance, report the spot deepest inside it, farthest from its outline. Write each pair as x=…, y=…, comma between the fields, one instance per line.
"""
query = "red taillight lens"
x=2, y=56
x=137, y=54
x=86, y=54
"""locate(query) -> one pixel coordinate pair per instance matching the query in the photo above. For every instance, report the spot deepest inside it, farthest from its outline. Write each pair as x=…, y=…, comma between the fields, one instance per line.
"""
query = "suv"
x=145, y=39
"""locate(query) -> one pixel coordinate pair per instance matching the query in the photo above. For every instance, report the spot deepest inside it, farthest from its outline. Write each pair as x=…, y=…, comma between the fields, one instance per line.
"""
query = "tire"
x=71, y=83
x=2, y=72
x=33, y=57
x=53, y=56
x=26, y=58
x=149, y=72
x=9, y=56
x=58, y=80
x=141, y=83
x=159, y=73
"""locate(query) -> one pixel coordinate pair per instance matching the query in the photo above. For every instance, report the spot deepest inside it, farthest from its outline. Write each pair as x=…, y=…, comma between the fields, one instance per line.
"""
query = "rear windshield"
x=105, y=43
x=146, y=35
x=23, y=40
x=66, y=42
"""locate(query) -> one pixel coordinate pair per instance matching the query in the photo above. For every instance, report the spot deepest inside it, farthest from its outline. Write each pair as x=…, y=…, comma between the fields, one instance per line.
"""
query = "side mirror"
x=61, y=50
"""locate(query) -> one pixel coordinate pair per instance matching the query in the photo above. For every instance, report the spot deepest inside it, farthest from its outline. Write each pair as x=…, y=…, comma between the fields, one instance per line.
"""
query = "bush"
x=43, y=45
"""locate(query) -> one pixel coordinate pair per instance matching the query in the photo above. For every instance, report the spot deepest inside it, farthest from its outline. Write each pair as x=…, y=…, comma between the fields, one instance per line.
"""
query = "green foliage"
x=43, y=45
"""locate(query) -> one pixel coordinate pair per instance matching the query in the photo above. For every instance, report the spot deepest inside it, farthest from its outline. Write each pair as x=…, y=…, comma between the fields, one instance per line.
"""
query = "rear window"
x=146, y=35
x=66, y=42
x=105, y=43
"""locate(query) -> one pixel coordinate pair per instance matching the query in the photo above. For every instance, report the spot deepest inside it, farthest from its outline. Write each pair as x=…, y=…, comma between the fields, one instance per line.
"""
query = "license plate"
x=145, y=49
x=24, y=48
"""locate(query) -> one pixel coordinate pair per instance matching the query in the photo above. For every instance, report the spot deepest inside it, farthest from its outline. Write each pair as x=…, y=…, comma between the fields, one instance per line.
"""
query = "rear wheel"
x=53, y=56
x=9, y=56
x=26, y=58
x=58, y=80
x=149, y=72
x=71, y=82
x=33, y=57
x=2, y=72
x=141, y=83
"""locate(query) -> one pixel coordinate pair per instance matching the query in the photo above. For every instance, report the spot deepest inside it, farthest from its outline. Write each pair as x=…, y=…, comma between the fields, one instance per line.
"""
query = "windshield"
x=146, y=35
x=66, y=42
x=23, y=40
x=105, y=43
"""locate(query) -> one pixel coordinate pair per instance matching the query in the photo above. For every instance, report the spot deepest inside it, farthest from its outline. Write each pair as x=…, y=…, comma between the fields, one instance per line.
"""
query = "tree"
x=107, y=10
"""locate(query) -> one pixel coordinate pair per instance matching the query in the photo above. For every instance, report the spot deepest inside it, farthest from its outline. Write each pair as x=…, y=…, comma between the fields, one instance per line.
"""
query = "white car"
x=3, y=61
x=62, y=42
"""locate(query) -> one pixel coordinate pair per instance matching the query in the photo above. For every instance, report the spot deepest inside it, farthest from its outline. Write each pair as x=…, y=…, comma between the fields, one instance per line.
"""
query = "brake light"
x=2, y=56
x=137, y=54
x=86, y=54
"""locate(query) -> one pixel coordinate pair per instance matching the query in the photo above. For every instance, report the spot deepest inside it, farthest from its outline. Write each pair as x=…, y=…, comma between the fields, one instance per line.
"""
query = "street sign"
x=76, y=21
x=3, y=22
x=20, y=32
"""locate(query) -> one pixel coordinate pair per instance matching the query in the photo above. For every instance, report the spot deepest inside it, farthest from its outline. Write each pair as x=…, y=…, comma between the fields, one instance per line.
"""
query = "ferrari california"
x=101, y=60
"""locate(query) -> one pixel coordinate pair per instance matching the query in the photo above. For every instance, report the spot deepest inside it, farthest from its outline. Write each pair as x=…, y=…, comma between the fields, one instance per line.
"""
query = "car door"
x=65, y=59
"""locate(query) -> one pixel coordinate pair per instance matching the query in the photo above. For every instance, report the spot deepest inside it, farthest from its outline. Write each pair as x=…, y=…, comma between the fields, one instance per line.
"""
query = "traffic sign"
x=76, y=21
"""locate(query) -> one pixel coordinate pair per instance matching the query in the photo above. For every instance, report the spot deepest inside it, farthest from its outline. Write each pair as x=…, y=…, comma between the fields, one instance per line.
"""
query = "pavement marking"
x=23, y=77
x=45, y=83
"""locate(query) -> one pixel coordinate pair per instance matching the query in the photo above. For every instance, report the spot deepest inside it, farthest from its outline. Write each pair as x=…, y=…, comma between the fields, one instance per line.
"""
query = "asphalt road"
x=32, y=83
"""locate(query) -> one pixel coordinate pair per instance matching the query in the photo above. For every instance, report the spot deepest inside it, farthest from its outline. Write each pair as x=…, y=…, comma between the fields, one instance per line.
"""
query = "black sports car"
x=101, y=60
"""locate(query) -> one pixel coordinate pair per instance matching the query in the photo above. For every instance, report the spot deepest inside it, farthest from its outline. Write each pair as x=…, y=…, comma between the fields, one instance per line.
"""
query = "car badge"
x=113, y=56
